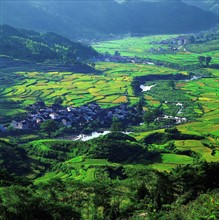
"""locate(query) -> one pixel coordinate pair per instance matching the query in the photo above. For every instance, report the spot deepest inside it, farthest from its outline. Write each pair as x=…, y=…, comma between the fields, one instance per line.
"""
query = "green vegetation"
x=13, y=158
x=80, y=180
x=164, y=169
x=35, y=47
x=76, y=89
x=49, y=126
x=141, y=47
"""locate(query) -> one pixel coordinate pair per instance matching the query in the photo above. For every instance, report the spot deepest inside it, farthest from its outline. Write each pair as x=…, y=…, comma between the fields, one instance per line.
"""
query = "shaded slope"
x=30, y=45
x=13, y=159
x=210, y=5
x=77, y=19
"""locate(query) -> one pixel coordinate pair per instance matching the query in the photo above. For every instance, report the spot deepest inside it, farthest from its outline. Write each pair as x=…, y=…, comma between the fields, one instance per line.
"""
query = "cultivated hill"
x=79, y=19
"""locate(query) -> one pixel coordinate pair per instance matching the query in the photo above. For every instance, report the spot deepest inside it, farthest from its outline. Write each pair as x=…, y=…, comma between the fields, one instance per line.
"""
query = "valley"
x=155, y=101
x=119, y=80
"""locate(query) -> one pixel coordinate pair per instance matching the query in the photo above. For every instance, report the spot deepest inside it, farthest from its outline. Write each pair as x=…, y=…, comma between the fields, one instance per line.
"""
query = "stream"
x=87, y=137
x=95, y=134
x=146, y=88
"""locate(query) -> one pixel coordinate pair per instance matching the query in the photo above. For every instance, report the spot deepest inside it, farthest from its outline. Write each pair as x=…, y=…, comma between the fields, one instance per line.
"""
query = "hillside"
x=71, y=180
x=13, y=159
x=79, y=19
x=210, y=5
x=37, y=47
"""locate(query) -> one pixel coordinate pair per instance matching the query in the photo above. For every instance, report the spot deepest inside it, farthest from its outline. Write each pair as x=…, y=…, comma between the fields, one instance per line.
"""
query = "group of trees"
x=203, y=36
x=49, y=126
x=36, y=47
x=187, y=192
x=204, y=61
x=120, y=192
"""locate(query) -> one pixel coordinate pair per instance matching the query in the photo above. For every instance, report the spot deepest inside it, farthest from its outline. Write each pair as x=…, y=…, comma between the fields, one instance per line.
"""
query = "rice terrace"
x=113, y=85
x=78, y=89
x=109, y=117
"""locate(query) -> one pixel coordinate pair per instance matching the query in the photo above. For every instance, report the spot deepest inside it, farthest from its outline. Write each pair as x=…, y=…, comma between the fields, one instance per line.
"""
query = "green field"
x=108, y=89
x=140, y=46
x=113, y=86
x=81, y=168
x=199, y=148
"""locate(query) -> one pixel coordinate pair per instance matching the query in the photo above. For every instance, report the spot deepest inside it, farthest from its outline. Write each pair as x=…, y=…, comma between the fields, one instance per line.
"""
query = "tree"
x=103, y=193
x=171, y=84
x=136, y=86
x=213, y=152
x=58, y=101
x=93, y=65
x=116, y=125
x=49, y=126
x=139, y=107
x=117, y=53
x=208, y=60
x=201, y=59
x=148, y=117
x=142, y=191
x=191, y=39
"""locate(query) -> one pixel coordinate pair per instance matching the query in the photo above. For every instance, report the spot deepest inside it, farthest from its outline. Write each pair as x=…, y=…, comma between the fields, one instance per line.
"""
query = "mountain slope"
x=210, y=5
x=34, y=46
x=78, y=19
x=13, y=159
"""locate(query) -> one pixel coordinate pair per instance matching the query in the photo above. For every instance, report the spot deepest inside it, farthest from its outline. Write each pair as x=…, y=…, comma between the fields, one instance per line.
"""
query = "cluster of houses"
x=174, y=44
x=70, y=116
x=164, y=50
x=180, y=40
x=173, y=120
x=83, y=116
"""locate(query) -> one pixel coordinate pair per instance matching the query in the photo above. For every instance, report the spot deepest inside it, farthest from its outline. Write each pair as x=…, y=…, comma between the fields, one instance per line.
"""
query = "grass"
x=140, y=135
x=175, y=159
x=168, y=161
x=162, y=166
x=199, y=148
x=88, y=162
x=201, y=48
x=45, y=144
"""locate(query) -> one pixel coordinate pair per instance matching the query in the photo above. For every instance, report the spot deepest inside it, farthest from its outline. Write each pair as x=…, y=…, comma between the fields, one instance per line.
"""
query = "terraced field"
x=205, y=92
x=199, y=148
x=81, y=168
x=113, y=86
x=170, y=161
x=108, y=89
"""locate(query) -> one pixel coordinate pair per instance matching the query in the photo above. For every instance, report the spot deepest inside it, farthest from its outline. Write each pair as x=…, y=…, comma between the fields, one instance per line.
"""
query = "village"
x=77, y=117
x=89, y=115
x=179, y=40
